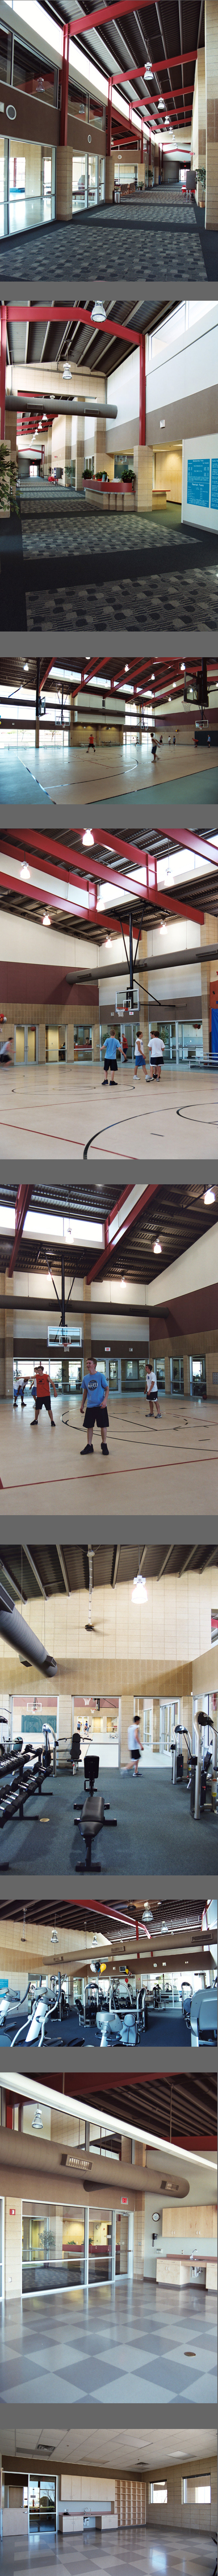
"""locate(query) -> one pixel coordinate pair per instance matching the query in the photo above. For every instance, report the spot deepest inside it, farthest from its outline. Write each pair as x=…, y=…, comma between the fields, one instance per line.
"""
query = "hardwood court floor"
x=48, y=1110
x=153, y=1464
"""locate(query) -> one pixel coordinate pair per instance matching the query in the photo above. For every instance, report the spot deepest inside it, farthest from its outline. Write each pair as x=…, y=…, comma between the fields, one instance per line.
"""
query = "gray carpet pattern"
x=154, y=238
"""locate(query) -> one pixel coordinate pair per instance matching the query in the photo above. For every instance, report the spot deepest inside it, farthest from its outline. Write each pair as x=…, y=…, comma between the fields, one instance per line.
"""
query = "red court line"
x=122, y=1471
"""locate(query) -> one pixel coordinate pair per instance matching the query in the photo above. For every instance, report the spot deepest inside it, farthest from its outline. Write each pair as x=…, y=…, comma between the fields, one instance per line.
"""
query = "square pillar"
x=113, y=2246
x=86, y=2250
x=64, y=181
x=80, y=430
x=211, y=83
x=87, y=1326
x=100, y=458
x=167, y=1373
x=9, y=1337
x=109, y=178
x=143, y=470
x=186, y=1369
x=13, y=2247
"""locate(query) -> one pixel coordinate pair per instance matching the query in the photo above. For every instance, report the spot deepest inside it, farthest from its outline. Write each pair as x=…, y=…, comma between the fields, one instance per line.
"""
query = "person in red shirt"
x=42, y=1395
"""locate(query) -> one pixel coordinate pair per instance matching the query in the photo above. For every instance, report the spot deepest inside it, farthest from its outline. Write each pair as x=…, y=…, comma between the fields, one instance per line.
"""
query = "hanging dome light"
x=67, y=371
x=98, y=311
x=139, y=1593
x=37, y=2123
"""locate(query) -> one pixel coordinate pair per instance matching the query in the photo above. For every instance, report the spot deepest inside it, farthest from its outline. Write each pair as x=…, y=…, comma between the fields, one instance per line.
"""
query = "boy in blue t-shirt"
x=94, y=1395
x=110, y=1045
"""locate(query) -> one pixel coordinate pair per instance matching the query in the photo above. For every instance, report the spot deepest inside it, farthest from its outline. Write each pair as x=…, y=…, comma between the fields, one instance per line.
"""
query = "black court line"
x=13, y=613
x=191, y=1115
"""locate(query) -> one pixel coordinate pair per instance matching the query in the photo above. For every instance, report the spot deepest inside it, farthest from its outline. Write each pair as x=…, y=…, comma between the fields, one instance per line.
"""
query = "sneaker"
x=87, y=1453
x=104, y=1085
x=104, y=1450
x=113, y=1086
x=34, y=1425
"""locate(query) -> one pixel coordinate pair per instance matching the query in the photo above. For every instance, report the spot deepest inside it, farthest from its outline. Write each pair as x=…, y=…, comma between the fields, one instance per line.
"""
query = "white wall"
x=182, y=367
x=124, y=390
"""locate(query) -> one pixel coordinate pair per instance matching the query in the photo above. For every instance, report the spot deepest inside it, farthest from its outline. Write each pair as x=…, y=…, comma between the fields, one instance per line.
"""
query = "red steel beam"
x=24, y=1194
x=144, y=68
x=89, y=865
x=68, y=313
x=104, y=1257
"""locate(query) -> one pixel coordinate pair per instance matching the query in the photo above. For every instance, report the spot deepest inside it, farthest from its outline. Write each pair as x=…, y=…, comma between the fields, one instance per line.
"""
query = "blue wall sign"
x=198, y=481
x=214, y=484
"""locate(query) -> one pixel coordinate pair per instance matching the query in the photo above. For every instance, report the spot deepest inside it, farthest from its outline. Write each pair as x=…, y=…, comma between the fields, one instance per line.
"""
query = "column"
x=198, y=140
x=6, y=1337
x=86, y=2250
x=109, y=177
x=87, y=1325
x=186, y=1371
x=65, y=1719
x=100, y=458
x=80, y=427
x=13, y=2247
x=113, y=2246
x=142, y=952
x=143, y=470
x=64, y=181
x=167, y=1373
x=205, y=984
x=211, y=79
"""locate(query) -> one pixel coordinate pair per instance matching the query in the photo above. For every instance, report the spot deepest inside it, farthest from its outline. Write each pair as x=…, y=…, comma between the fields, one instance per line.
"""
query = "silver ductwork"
x=25, y=1644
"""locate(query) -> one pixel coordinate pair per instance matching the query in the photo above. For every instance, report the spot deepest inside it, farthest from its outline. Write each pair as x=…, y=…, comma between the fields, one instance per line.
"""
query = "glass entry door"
x=42, y=2503
x=100, y=2244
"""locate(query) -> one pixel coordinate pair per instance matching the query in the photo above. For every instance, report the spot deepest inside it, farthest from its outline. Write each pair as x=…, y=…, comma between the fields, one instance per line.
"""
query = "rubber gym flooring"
x=157, y=237
x=107, y=574
x=127, y=2553
x=126, y=2344
x=117, y=773
x=154, y=1829
x=166, y=2030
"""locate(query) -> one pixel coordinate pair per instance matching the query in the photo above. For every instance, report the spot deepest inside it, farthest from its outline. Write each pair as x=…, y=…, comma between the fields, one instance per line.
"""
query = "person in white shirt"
x=139, y=1054
x=152, y=1390
x=135, y=1747
x=156, y=1051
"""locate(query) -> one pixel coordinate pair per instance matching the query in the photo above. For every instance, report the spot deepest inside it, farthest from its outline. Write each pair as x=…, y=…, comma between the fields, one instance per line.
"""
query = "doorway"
x=42, y=2504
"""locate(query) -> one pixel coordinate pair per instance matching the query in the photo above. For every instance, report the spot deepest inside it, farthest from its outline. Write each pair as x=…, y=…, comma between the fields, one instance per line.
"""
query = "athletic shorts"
x=139, y=1059
x=40, y=1400
x=110, y=1064
x=151, y=1394
x=135, y=1755
x=99, y=1415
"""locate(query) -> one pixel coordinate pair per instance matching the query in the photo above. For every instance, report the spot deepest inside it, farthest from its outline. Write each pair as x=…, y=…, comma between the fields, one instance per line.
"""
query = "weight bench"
x=93, y=1814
